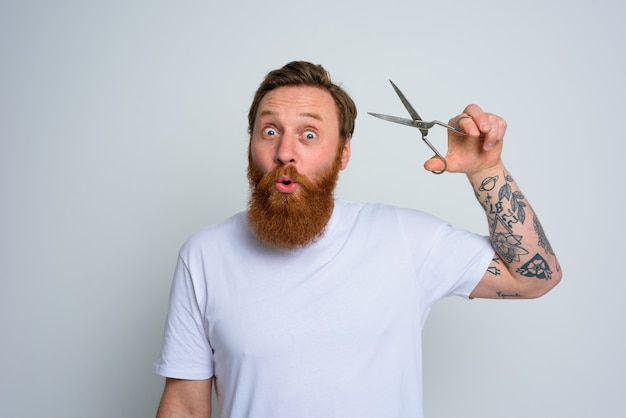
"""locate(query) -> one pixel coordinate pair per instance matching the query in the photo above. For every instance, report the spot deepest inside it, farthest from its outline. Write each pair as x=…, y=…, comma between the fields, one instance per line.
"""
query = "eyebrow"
x=316, y=116
x=312, y=115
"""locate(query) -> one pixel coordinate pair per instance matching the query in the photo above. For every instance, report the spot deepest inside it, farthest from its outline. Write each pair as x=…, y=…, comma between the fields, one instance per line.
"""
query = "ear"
x=345, y=153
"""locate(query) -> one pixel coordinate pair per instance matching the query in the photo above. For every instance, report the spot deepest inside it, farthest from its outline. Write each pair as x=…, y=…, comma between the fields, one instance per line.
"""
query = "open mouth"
x=286, y=184
x=286, y=180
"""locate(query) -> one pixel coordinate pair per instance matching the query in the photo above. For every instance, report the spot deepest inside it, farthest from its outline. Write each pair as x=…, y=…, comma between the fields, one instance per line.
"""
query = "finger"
x=435, y=164
x=491, y=127
x=465, y=123
x=465, y=128
x=475, y=111
x=480, y=117
x=495, y=133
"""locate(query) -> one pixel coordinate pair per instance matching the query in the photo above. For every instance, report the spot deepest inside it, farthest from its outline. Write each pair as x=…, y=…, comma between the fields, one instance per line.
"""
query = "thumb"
x=435, y=164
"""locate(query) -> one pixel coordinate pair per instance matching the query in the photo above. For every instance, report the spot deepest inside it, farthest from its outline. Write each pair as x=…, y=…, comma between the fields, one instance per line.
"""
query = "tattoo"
x=543, y=240
x=537, y=267
x=515, y=198
x=488, y=184
x=503, y=217
x=507, y=244
x=493, y=269
x=505, y=296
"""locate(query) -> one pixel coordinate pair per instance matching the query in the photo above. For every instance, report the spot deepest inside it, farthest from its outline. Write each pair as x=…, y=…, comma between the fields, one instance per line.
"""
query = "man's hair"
x=302, y=73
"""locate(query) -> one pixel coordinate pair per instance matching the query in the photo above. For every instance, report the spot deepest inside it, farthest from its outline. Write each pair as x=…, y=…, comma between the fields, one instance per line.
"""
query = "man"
x=308, y=306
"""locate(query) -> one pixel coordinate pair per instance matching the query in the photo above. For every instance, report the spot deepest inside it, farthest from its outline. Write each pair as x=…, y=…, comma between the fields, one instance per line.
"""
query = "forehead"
x=300, y=100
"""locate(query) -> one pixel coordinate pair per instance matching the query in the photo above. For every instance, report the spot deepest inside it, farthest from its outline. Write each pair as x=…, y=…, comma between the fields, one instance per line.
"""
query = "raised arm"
x=186, y=398
x=524, y=265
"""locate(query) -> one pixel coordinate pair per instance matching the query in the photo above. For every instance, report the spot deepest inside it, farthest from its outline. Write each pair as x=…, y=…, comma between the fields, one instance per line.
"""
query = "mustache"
x=268, y=179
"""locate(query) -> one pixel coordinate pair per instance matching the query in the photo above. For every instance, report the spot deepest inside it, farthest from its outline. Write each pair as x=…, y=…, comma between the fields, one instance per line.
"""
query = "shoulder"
x=373, y=211
x=380, y=222
x=217, y=235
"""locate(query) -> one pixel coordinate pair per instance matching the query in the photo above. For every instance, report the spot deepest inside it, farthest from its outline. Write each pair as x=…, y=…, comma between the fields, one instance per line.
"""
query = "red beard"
x=290, y=220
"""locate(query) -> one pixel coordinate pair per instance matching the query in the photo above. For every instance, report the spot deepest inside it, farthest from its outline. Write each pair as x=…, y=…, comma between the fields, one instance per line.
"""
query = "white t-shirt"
x=329, y=330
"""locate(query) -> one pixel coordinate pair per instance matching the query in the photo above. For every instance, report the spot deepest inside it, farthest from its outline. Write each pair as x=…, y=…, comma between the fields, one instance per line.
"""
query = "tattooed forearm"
x=522, y=248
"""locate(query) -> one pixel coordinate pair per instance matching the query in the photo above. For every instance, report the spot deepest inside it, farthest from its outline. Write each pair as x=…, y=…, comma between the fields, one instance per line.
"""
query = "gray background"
x=123, y=130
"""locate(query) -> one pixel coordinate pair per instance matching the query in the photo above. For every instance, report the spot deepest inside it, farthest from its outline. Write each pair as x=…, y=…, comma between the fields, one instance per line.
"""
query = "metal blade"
x=414, y=123
x=408, y=106
x=406, y=103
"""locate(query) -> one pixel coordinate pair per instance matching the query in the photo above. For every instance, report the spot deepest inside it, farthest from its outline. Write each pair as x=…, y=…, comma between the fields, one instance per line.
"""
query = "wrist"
x=478, y=176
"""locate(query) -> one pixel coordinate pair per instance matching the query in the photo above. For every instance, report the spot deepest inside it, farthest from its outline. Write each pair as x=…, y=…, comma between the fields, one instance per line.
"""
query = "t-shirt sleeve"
x=449, y=261
x=458, y=261
x=186, y=352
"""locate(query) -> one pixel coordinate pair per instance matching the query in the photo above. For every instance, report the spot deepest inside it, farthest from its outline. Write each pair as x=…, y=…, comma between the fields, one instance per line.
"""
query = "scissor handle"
x=437, y=155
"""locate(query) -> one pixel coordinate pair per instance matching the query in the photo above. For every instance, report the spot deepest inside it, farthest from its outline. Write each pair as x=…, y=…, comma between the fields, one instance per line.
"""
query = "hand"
x=479, y=149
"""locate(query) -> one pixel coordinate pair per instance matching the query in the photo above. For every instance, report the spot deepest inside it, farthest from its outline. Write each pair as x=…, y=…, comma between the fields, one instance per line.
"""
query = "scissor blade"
x=407, y=105
x=414, y=123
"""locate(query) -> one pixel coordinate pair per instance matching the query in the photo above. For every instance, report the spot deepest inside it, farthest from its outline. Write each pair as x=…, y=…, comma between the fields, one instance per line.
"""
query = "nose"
x=285, y=151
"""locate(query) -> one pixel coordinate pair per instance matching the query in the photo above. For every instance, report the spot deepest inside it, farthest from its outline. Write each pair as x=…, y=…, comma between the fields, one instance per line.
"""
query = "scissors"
x=417, y=122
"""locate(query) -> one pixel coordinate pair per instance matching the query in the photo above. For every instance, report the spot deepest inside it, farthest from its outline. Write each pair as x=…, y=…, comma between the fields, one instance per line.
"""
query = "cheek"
x=323, y=164
x=260, y=156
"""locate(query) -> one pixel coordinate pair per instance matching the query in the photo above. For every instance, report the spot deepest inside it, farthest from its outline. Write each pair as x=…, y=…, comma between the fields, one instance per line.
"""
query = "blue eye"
x=310, y=135
x=269, y=131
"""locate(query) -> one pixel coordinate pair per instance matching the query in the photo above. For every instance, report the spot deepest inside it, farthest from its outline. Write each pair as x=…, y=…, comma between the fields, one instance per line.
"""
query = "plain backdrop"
x=123, y=130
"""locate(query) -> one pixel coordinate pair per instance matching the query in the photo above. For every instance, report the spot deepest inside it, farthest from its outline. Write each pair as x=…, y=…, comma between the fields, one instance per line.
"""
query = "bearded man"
x=310, y=306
